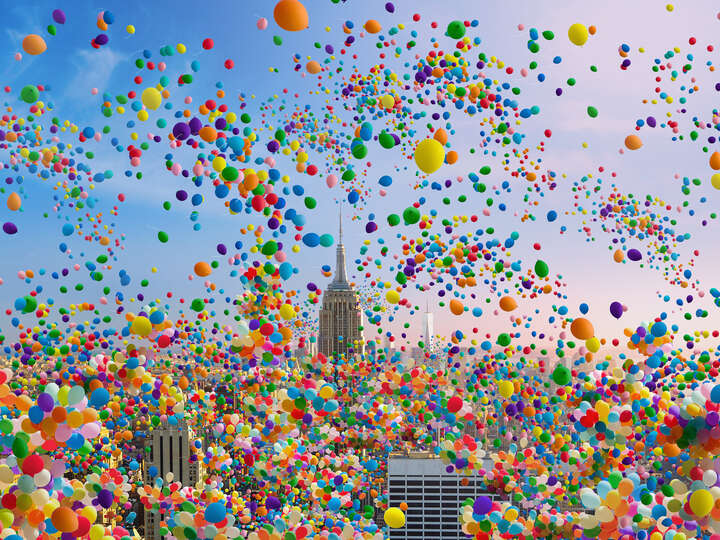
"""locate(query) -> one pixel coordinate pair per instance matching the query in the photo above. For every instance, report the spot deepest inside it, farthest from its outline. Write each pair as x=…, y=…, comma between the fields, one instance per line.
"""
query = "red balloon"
x=208, y=44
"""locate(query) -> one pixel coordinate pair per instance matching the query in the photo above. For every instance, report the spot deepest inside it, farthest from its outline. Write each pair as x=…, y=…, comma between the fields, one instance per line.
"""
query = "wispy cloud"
x=94, y=70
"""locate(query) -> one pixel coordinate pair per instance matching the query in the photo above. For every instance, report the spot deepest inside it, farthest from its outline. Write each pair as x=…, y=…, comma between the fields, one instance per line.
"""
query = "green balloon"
x=197, y=305
x=30, y=304
x=269, y=248
x=541, y=268
x=163, y=236
x=561, y=376
x=456, y=29
x=386, y=140
x=310, y=203
x=393, y=219
x=30, y=94
x=592, y=112
x=411, y=215
x=348, y=175
x=51, y=29
x=19, y=448
x=359, y=150
x=503, y=340
x=326, y=240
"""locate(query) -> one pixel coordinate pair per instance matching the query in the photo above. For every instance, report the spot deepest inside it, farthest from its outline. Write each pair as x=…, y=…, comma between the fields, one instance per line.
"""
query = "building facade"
x=433, y=496
x=340, y=316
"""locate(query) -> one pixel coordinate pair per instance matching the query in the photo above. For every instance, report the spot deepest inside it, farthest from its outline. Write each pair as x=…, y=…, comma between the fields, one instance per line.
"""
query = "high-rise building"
x=340, y=316
x=433, y=496
x=169, y=452
x=428, y=327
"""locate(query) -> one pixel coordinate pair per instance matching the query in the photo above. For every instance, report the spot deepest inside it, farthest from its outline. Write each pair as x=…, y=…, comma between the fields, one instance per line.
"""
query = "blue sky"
x=72, y=68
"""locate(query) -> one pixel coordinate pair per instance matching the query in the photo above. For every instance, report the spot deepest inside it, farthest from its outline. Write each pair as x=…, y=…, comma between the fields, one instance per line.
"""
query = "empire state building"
x=340, y=316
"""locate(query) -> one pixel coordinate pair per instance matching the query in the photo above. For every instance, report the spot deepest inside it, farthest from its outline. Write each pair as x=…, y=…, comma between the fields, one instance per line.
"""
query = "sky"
x=72, y=68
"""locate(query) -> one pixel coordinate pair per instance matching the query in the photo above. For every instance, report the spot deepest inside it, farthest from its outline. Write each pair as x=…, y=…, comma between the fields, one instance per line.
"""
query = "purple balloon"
x=105, y=498
x=58, y=16
x=616, y=310
x=273, y=503
x=181, y=131
x=102, y=39
x=482, y=505
x=9, y=228
x=389, y=7
x=195, y=125
x=46, y=402
x=221, y=249
x=634, y=254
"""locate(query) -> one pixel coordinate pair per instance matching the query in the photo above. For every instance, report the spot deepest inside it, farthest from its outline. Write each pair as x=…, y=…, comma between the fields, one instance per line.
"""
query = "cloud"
x=94, y=70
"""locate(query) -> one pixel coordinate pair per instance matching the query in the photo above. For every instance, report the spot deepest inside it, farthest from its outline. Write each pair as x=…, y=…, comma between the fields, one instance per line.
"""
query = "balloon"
x=394, y=517
x=456, y=307
x=561, y=375
x=64, y=519
x=506, y=389
x=616, y=309
x=141, y=326
x=578, y=34
x=429, y=155
x=715, y=161
x=715, y=180
x=202, y=269
x=33, y=44
x=151, y=98
x=701, y=502
x=331, y=180
x=392, y=296
x=29, y=94
x=633, y=142
x=455, y=30
x=313, y=67
x=508, y=303
x=582, y=329
x=541, y=268
x=262, y=23
x=287, y=312
x=14, y=202
x=291, y=15
x=372, y=26
x=58, y=16
x=215, y=512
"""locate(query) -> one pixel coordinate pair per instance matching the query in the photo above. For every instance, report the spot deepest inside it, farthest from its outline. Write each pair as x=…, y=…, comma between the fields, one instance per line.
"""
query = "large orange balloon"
x=456, y=307
x=14, y=202
x=507, y=303
x=291, y=15
x=313, y=67
x=581, y=328
x=372, y=26
x=64, y=519
x=618, y=256
x=34, y=44
x=633, y=142
x=715, y=161
x=202, y=269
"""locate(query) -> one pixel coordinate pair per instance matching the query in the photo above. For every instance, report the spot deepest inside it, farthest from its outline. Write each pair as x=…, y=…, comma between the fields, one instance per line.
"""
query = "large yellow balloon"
x=701, y=502
x=141, y=326
x=593, y=344
x=287, y=312
x=392, y=296
x=394, y=517
x=151, y=98
x=429, y=155
x=715, y=180
x=34, y=44
x=578, y=34
x=506, y=389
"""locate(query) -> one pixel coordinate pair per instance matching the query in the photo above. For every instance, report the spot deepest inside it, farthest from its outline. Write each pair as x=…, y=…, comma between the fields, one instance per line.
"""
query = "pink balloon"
x=331, y=180
x=262, y=23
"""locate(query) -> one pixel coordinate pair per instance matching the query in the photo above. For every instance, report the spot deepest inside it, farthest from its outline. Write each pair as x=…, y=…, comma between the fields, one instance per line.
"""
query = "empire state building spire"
x=340, y=281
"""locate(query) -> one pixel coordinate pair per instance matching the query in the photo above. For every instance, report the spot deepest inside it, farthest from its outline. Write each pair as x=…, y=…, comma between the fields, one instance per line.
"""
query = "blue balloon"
x=67, y=229
x=99, y=397
x=215, y=512
x=584, y=308
x=385, y=181
x=551, y=216
x=311, y=240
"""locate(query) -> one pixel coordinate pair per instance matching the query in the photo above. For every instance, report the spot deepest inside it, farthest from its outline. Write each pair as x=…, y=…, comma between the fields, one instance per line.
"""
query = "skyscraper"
x=428, y=327
x=340, y=316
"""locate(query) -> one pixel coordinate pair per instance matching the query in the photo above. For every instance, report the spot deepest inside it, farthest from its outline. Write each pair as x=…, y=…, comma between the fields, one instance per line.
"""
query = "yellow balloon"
x=506, y=389
x=394, y=517
x=593, y=344
x=141, y=326
x=429, y=155
x=701, y=502
x=151, y=98
x=130, y=29
x=578, y=34
x=287, y=312
x=387, y=101
x=392, y=296
x=715, y=180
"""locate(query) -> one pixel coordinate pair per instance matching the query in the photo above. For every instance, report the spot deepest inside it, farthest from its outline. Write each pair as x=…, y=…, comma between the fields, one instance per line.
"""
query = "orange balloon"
x=208, y=134
x=581, y=328
x=508, y=303
x=441, y=136
x=64, y=519
x=202, y=269
x=633, y=142
x=291, y=15
x=34, y=45
x=618, y=256
x=451, y=157
x=715, y=161
x=456, y=307
x=372, y=26
x=14, y=202
x=313, y=67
